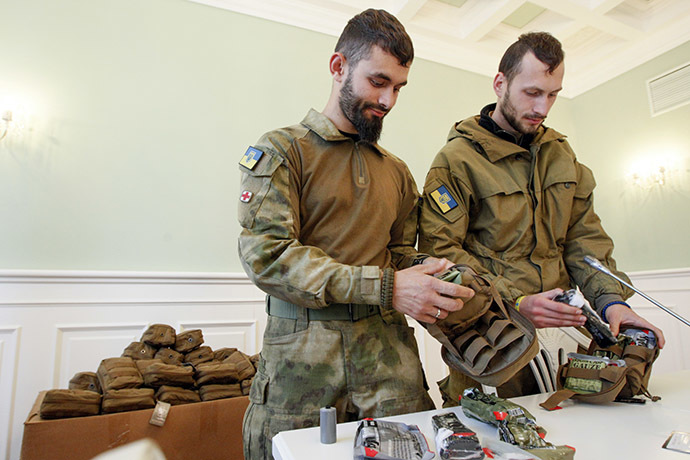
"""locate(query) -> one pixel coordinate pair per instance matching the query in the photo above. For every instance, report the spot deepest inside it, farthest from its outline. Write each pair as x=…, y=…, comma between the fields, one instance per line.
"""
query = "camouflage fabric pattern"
x=323, y=214
x=523, y=217
x=368, y=368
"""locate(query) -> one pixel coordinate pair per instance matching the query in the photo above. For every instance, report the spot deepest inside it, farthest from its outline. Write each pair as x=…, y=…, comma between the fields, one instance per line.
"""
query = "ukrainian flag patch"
x=444, y=199
x=251, y=157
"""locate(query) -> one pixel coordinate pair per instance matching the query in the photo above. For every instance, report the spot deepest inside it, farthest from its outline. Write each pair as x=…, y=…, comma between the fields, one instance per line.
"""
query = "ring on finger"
x=438, y=313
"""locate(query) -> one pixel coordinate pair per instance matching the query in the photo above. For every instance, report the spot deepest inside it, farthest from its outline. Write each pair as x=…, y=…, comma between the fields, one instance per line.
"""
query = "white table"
x=611, y=431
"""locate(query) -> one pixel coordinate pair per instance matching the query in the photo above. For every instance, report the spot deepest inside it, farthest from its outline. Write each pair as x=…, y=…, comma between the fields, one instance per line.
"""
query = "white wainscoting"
x=54, y=324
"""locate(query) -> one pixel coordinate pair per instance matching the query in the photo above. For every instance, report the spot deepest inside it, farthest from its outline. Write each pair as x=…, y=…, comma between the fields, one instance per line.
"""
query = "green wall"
x=141, y=110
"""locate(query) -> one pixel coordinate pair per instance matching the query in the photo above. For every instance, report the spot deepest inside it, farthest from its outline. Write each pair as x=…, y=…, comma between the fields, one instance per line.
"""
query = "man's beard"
x=511, y=116
x=353, y=107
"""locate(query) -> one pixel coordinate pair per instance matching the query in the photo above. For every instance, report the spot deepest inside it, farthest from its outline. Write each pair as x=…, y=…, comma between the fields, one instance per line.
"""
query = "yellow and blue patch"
x=444, y=199
x=251, y=157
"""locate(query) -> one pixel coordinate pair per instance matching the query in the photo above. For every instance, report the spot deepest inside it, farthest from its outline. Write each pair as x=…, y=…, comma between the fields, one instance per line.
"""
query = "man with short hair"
x=327, y=215
x=507, y=196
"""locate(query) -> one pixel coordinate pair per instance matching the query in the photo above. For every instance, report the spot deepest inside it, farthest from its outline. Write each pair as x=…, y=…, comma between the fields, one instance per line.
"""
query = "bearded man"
x=507, y=196
x=327, y=218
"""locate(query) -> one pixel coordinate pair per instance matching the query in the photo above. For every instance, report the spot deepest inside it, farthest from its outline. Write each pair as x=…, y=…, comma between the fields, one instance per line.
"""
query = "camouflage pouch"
x=198, y=356
x=159, y=335
x=175, y=395
x=127, y=399
x=159, y=374
x=189, y=340
x=118, y=373
x=212, y=392
x=169, y=356
x=216, y=373
x=85, y=381
x=139, y=350
x=70, y=403
x=484, y=340
x=244, y=366
x=615, y=373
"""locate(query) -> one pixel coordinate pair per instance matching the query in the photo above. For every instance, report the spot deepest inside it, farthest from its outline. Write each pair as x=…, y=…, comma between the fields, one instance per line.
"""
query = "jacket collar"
x=323, y=127
x=495, y=146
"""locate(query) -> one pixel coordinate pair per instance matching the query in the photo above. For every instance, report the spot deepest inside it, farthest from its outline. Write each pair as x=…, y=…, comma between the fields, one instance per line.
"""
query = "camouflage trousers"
x=367, y=368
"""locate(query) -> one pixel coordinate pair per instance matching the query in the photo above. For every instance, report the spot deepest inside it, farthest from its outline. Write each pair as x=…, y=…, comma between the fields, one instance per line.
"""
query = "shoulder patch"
x=444, y=199
x=251, y=157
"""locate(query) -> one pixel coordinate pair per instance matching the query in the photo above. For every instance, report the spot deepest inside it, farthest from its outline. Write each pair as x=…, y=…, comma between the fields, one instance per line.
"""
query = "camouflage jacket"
x=525, y=218
x=321, y=215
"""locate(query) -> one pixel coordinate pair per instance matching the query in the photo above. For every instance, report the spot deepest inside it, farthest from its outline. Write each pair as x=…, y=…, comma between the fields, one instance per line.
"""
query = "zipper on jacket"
x=361, y=173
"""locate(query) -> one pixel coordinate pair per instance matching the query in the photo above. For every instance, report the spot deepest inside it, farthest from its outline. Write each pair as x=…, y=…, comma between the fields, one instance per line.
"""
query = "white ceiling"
x=601, y=38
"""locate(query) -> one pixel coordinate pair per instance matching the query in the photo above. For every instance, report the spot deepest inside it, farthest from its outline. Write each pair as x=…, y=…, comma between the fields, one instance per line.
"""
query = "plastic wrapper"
x=382, y=440
x=454, y=441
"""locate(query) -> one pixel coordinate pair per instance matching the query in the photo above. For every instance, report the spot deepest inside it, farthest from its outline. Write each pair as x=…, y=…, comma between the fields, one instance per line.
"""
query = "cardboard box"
x=200, y=431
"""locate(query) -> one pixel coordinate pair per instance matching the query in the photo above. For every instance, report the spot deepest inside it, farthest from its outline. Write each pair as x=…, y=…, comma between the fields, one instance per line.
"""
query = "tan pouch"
x=484, y=340
x=139, y=350
x=176, y=395
x=198, y=356
x=159, y=335
x=127, y=399
x=189, y=340
x=85, y=381
x=212, y=392
x=216, y=373
x=118, y=373
x=222, y=353
x=70, y=403
x=169, y=356
x=159, y=374
x=245, y=368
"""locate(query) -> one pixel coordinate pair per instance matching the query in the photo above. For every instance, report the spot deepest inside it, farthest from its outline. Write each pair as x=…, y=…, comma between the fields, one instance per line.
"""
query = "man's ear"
x=500, y=84
x=337, y=66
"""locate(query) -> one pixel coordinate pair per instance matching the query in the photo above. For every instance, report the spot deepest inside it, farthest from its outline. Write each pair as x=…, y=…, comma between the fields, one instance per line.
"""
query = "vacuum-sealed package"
x=380, y=440
x=454, y=441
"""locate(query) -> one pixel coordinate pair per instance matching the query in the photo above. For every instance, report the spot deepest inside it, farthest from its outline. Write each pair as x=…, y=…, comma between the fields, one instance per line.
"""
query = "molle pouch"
x=169, y=356
x=244, y=366
x=199, y=355
x=189, y=340
x=484, y=340
x=222, y=353
x=70, y=403
x=211, y=392
x=159, y=374
x=127, y=399
x=624, y=374
x=246, y=385
x=159, y=335
x=175, y=395
x=216, y=373
x=118, y=373
x=85, y=381
x=142, y=364
x=139, y=350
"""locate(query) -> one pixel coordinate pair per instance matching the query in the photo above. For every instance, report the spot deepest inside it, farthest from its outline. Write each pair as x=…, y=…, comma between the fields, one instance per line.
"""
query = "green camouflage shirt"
x=321, y=215
x=525, y=218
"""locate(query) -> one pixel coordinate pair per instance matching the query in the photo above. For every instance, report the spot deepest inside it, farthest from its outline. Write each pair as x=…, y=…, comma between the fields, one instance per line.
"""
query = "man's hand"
x=417, y=293
x=543, y=311
x=619, y=315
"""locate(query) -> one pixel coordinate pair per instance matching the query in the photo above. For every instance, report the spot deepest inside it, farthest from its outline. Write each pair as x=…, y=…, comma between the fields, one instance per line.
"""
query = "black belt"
x=335, y=311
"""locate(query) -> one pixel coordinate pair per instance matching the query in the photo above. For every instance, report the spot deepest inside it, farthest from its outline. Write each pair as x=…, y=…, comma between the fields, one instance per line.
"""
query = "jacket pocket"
x=254, y=187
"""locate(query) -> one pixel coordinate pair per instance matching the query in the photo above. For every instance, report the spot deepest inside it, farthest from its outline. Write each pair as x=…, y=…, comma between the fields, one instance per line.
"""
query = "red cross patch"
x=246, y=196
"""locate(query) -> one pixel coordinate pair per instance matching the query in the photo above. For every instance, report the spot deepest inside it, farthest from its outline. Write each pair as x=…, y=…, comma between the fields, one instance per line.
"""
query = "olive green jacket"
x=524, y=218
x=323, y=214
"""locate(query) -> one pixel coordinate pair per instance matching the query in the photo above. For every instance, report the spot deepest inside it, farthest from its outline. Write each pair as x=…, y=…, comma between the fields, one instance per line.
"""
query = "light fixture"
x=654, y=172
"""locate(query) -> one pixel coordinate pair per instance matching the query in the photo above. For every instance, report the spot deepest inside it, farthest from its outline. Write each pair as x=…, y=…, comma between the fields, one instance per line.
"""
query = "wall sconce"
x=655, y=172
x=7, y=119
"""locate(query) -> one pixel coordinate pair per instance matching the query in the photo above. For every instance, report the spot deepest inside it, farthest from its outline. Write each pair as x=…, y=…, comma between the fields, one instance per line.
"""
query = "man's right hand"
x=543, y=311
x=417, y=293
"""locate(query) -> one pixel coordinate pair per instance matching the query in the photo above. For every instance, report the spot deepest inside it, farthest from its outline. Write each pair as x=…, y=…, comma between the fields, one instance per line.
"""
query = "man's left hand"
x=620, y=315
